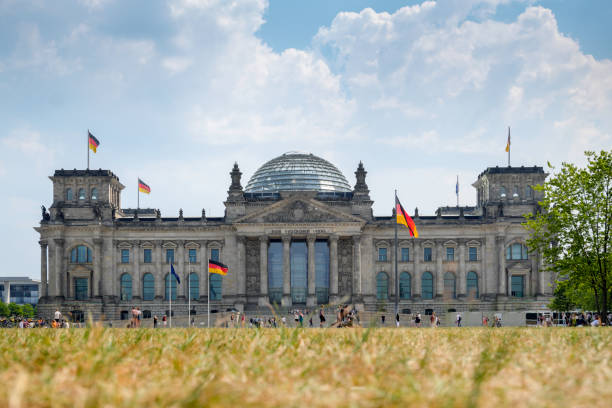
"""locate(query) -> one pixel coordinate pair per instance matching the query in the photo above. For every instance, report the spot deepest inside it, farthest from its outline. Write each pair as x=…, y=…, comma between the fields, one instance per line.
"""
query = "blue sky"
x=178, y=90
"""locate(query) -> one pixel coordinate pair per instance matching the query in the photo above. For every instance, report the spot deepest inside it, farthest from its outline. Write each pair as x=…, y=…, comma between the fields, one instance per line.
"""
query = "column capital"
x=241, y=239
x=356, y=239
x=263, y=239
x=180, y=242
x=500, y=239
x=286, y=238
x=98, y=241
x=333, y=237
x=311, y=238
x=59, y=241
x=42, y=243
x=202, y=242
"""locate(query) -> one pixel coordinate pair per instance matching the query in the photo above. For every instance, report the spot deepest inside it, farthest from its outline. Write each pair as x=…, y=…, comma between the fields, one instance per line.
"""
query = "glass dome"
x=298, y=171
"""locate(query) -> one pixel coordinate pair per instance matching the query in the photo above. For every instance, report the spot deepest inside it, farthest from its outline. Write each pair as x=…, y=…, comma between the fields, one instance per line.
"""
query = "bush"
x=14, y=309
x=4, y=310
x=27, y=310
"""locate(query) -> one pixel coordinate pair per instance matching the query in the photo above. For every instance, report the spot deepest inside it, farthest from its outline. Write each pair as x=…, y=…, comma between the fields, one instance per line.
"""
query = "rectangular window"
x=125, y=256
x=382, y=254
x=80, y=288
x=473, y=254
x=405, y=254
x=169, y=255
x=450, y=254
x=192, y=256
x=147, y=256
x=427, y=254
x=214, y=254
x=517, y=286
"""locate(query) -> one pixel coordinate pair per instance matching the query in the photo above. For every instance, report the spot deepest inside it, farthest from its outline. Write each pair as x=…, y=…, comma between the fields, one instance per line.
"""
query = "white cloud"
x=26, y=141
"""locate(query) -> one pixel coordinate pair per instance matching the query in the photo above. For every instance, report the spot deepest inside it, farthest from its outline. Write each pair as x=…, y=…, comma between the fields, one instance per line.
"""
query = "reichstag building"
x=298, y=235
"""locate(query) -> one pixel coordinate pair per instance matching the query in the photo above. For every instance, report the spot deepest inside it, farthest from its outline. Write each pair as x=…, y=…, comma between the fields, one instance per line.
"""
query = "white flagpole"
x=208, y=294
x=170, y=293
x=189, y=294
x=87, y=149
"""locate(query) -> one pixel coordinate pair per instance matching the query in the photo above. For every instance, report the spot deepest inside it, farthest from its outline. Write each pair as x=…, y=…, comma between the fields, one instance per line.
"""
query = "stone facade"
x=101, y=259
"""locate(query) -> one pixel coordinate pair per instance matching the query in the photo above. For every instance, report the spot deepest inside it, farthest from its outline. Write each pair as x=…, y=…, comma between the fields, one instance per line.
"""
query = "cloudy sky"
x=177, y=91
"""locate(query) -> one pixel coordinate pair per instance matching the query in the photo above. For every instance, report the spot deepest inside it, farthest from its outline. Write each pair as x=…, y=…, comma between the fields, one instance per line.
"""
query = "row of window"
x=81, y=194
x=82, y=254
x=515, y=192
x=427, y=254
x=450, y=286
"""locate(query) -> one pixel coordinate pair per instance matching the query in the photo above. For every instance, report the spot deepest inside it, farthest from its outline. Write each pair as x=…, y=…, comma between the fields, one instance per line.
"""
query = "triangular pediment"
x=298, y=210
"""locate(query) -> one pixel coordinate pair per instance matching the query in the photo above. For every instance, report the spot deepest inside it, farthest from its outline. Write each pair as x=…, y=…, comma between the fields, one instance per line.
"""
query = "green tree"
x=572, y=230
x=14, y=309
x=4, y=310
x=563, y=300
x=27, y=310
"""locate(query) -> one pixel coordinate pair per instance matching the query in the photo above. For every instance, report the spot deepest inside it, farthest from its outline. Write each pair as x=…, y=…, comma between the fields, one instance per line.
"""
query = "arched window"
x=382, y=286
x=404, y=285
x=450, y=289
x=516, y=192
x=216, y=284
x=472, y=285
x=516, y=251
x=502, y=192
x=170, y=287
x=194, y=286
x=427, y=286
x=126, y=286
x=81, y=193
x=69, y=194
x=94, y=193
x=528, y=193
x=148, y=287
x=80, y=254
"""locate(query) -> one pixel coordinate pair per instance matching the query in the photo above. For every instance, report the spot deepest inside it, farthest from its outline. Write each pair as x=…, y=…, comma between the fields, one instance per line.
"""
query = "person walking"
x=321, y=317
x=155, y=322
x=397, y=320
x=458, y=320
x=417, y=320
x=432, y=319
x=57, y=316
x=382, y=319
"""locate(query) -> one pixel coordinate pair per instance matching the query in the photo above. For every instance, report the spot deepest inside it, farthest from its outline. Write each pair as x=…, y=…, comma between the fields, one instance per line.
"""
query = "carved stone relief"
x=345, y=267
x=252, y=267
x=299, y=211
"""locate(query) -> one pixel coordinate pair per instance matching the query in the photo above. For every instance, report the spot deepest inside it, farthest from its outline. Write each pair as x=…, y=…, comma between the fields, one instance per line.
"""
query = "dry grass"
x=306, y=367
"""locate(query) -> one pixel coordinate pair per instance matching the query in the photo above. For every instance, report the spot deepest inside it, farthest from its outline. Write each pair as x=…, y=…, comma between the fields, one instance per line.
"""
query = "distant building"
x=299, y=236
x=19, y=290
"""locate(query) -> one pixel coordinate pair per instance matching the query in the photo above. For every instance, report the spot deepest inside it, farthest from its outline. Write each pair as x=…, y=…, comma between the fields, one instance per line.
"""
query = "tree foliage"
x=572, y=230
x=27, y=310
x=14, y=309
x=4, y=310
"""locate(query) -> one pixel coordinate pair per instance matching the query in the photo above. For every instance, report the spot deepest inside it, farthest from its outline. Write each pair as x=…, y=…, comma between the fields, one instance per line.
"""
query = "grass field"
x=306, y=367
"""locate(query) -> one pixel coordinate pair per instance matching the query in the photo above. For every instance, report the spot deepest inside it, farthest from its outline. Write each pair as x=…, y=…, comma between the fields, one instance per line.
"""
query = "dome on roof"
x=298, y=171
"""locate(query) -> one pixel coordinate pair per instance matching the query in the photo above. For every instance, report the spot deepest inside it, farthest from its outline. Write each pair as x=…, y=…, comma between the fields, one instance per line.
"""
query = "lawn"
x=306, y=367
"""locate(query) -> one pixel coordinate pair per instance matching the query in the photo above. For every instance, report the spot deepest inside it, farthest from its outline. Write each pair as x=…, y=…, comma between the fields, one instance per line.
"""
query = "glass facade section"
x=382, y=254
x=22, y=294
x=81, y=286
x=427, y=254
x=194, y=286
x=193, y=258
x=427, y=286
x=404, y=285
x=322, y=272
x=382, y=286
x=169, y=255
x=405, y=255
x=125, y=256
x=299, y=271
x=450, y=254
x=216, y=286
x=214, y=254
x=148, y=255
x=517, y=252
x=473, y=254
x=450, y=288
x=170, y=286
x=80, y=254
x=148, y=287
x=298, y=171
x=275, y=272
x=517, y=285
x=126, y=287
x=472, y=285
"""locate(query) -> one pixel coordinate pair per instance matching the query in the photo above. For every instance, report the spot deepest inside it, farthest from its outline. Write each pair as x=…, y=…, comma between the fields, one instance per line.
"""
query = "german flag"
x=93, y=142
x=217, y=267
x=143, y=187
x=404, y=219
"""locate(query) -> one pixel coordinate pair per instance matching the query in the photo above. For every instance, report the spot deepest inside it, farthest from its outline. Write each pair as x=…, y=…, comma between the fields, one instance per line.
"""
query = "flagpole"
x=509, y=146
x=138, y=202
x=208, y=294
x=457, y=191
x=189, y=294
x=170, y=278
x=87, y=146
x=396, y=277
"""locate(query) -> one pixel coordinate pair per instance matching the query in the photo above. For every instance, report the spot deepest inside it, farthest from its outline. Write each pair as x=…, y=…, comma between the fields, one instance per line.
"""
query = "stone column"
x=263, y=271
x=159, y=276
x=136, y=279
x=241, y=273
x=286, y=301
x=356, y=268
x=311, y=299
x=109, y=264
x=204, y=271
x=43, y=268
x=439, y=274
x=461, y=290
x=60, y=273
x=52, y=267
x=502, y=284
x=333, y=269
x=97, y=272
x=416, y=278
x=180, y=271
